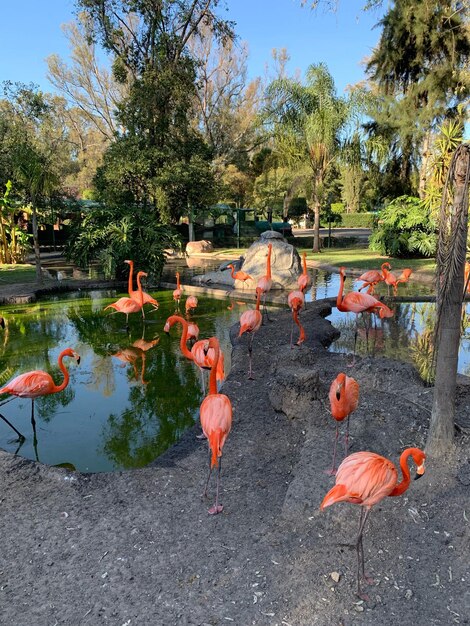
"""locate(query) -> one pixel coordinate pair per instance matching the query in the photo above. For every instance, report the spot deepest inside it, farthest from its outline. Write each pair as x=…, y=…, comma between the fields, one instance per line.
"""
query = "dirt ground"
x=138, y=548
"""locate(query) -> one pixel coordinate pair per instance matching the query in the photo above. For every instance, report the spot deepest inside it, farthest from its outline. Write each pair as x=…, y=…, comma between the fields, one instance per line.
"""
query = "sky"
x=32, y=31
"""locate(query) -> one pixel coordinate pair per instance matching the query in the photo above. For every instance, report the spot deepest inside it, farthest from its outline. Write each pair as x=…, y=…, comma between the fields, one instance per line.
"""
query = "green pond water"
x=112, y=416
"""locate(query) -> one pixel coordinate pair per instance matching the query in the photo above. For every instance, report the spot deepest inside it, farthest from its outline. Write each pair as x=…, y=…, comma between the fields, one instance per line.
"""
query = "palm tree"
x=306, y=121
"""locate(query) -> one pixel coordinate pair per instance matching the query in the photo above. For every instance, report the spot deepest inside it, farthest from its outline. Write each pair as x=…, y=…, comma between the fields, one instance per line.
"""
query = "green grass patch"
x=12, y=274
x=363, y=258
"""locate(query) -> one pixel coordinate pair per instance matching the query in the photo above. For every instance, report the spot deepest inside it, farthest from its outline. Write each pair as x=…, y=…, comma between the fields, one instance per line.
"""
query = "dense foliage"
x=405, y=228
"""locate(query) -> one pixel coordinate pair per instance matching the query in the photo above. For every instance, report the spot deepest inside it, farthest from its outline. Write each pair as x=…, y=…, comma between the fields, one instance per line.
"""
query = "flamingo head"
x=129, y=262
x=340, y=382
x=418, y=457
x=213, y=342
x=72, y=353
x=142, y=273
x=230, y=265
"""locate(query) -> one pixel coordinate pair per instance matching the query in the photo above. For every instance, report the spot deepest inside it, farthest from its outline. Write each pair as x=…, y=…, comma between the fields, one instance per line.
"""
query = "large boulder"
x=199, y=247
x=285, y=261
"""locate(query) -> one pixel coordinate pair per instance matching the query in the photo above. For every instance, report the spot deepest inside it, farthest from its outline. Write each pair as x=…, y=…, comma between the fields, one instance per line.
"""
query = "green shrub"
x=405, y=228
x=357, y=220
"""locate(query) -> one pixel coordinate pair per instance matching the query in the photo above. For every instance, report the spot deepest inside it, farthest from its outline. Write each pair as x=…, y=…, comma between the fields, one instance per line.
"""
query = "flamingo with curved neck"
x=129, y=305
x=296, y=301
x=135, y=295
x=365, y=478
x=240, y=275
x=38, y=383
x=216, y=422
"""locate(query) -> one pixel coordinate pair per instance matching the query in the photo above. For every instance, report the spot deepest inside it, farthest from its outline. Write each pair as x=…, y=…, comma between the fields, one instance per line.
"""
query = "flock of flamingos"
x=363, y=478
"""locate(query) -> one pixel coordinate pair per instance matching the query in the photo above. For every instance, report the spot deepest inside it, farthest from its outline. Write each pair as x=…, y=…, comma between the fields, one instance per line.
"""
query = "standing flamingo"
x=191, y=303
x=38, y=383
x=390, y=278
x=404, y=276
x=265, y=282
x=216, y=422
x=365, y=478
x=135, y=295
x=356, y=302
x=250, y=322
x=344, y=398
x=296, y=301
x=240, y=275
x=178, y=292
x=304, y=279
x=372, y=278
x=128, y=305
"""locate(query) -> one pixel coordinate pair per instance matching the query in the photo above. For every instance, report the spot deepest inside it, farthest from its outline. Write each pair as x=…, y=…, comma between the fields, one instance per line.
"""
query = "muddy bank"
x=138, y=548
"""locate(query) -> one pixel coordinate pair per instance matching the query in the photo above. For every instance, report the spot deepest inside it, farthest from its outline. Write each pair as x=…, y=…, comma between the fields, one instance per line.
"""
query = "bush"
x=357, y=220
x=405, y=228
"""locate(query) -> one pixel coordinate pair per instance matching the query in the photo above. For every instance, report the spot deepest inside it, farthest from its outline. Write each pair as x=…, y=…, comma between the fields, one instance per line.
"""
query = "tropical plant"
x=405, y=228
x=110, y=237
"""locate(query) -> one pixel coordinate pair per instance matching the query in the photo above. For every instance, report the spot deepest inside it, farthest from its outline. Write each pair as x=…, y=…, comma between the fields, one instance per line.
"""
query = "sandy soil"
x=138, y=548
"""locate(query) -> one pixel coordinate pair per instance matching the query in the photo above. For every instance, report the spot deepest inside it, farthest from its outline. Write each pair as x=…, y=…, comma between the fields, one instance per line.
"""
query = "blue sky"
x=31, y=31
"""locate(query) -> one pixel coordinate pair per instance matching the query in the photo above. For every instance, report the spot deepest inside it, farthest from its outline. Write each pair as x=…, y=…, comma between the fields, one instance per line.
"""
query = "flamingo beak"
x=78, y=359
x=166, y=328
x=419, y=471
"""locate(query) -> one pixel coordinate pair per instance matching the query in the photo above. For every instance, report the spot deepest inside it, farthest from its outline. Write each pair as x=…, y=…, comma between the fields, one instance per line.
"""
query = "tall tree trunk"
x=292, y=190
x=37, y=255
x=423, y=170
x=450, y=287
x=316, y=226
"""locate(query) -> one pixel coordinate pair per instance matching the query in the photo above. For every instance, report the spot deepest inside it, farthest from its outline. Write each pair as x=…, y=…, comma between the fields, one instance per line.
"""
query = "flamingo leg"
x=292, y=331
x=360, y=554
x=355, y=342
x=208, y=476
x=265, y=309
x=202, y=382
x=332, y=470
x=35, y=438
x=250, y=354
x=217, y=508
x=21, y=437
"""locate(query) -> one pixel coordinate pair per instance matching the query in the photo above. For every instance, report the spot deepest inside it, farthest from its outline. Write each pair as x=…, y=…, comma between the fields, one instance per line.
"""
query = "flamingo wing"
x=216, y=422
x=367, y=477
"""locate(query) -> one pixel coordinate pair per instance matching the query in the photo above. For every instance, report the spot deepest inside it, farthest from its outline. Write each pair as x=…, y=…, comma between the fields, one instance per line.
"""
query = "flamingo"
x=371, y=278
x=404, y=276
x=240, y=275
x=191, y=303
x=296, y=301
x=250, y=322
x=38, y=383
x=344, y=398
x=128, y=305
x=304, y=279
x=135, y=295
x=365, y=478
x=178, y=292
x=216, y=422
x=390, y=278
x=202, y=358
x=265, y=282
x=356, y=302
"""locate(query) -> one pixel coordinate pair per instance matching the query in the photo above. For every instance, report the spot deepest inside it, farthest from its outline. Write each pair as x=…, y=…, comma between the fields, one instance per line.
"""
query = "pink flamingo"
x=193, y=331
x=296, y=301
x=190, y=304
x=344, y=398
x=304, y=279
x=265, y=282
x=365, y=478
x=240, y=275
x=178, y=292
x=390, y=278
x=404, y=276
x=356, y=302
x=38, y=383
x=371, y=279
x=250, y=322
x=128, y=305
x=216, y=422
x=135, y=295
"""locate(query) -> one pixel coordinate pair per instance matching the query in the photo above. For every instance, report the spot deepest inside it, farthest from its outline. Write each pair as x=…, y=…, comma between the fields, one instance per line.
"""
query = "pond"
x=118, y=414
x=114, y=414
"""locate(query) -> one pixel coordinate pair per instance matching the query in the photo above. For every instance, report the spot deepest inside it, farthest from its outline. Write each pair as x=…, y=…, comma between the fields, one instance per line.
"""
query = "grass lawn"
x=21, y=273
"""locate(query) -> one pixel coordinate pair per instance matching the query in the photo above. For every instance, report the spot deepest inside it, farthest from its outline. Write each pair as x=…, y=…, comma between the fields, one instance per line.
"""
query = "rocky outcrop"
x=285, y=261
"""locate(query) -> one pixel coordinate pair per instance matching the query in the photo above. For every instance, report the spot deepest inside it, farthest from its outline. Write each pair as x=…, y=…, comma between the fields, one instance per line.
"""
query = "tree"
x=306, y=122
x=453, y=221
x=421, y=67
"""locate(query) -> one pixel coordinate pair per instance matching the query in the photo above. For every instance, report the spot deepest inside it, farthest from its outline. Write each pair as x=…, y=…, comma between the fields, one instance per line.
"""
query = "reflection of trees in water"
x=48, y=405
x=161, y=411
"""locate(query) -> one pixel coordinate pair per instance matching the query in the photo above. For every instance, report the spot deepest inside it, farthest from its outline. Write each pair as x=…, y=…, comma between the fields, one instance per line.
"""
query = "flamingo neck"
x=268, y=265
x=140, y=291
x=178, y=286
x=403, y=485
x=65, y=372
x=233, y=271
x=184, y=336
x=213, y=374
x=339, y=298
x=258, y=298
x=131, y=271
x=295, y=313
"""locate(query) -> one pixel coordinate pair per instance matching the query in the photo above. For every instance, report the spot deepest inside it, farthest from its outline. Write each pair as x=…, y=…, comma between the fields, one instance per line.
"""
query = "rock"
x=199, y=247
x=295, y=391
x=335, y=576
x=285, y=261
x=271, y=234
